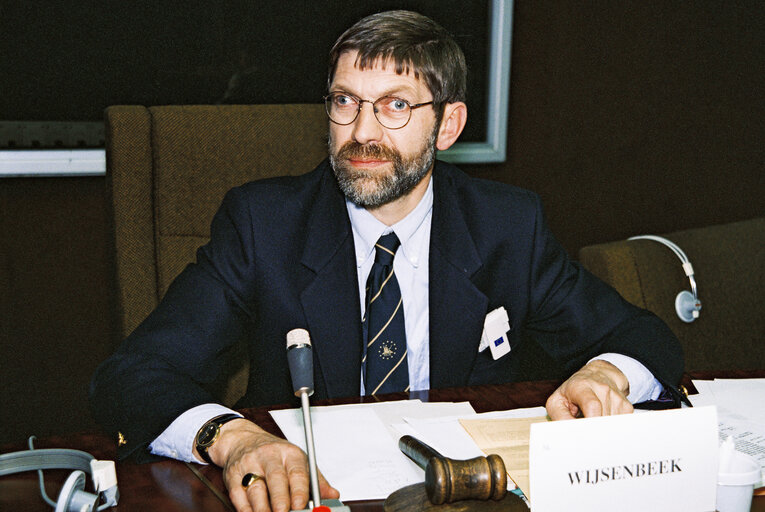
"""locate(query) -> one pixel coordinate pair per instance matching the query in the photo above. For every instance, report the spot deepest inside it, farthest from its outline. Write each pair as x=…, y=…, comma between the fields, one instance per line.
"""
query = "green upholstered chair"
x=168, y=168
x=729, y=265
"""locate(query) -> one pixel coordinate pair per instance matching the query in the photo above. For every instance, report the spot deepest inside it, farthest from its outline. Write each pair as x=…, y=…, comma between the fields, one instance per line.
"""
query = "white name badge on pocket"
x=494, y=336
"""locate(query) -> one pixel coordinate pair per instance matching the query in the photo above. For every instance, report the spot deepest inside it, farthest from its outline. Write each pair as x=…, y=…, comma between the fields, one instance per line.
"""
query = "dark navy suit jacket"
x=281, y=256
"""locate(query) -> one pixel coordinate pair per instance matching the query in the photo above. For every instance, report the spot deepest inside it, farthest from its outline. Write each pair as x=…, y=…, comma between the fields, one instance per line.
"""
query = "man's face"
x=375, y=165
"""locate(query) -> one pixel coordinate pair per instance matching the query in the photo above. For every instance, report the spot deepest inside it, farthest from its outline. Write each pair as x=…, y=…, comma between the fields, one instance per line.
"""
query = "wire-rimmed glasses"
x=391, y=112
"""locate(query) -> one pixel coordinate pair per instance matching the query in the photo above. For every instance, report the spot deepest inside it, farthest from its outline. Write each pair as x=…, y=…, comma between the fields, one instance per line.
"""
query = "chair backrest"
x=729, y=265
x=168, y=168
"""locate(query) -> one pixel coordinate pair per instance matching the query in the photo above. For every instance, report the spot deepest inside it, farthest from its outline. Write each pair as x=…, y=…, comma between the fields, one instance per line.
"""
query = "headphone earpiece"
x=687, y=306
x=73, y=497
x=687, y=303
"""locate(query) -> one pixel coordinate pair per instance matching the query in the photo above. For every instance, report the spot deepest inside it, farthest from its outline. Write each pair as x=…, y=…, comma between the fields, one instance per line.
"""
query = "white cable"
x=677, y=250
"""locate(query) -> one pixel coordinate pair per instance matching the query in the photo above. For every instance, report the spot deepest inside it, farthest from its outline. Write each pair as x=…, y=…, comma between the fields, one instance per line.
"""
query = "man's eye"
x=397, y=105
x=344, y=101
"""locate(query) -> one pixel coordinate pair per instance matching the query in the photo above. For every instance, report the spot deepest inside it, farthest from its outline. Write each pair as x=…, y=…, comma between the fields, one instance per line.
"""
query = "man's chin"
x=365, y=193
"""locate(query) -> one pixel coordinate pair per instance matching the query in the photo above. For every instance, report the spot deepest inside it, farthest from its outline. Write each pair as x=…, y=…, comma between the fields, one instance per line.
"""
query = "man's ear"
x=452, y=124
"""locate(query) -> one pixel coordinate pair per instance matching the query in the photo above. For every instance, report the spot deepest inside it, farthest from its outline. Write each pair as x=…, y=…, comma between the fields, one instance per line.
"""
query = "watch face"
x=207, y=434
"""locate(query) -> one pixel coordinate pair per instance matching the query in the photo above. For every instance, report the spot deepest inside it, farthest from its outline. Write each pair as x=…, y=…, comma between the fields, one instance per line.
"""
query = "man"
x=297, y=251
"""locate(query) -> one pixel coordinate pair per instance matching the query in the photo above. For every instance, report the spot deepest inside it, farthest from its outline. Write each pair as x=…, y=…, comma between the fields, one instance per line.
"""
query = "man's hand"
x=598, y=389
x=243, y=448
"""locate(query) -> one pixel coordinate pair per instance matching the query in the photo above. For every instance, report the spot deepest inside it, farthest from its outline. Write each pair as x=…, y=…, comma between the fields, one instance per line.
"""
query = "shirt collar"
x=367, y=229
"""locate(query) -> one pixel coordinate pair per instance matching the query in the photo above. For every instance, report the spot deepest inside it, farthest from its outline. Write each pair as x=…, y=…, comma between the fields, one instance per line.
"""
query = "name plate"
x=657, y=461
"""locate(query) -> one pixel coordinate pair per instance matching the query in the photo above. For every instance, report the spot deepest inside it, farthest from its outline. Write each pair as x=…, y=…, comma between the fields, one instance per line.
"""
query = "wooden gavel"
x=448, y=480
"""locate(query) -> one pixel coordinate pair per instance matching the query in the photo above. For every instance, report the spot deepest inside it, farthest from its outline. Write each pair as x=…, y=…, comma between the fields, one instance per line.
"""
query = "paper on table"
x=391, y=416
x=740, y=413
x=357, y=447
x=393, y=413
x=445, y=435
x=508, y=438
x=742, y=397
x=741, y=383
x=704, y=387
x=748, y=436
x=448, y=436
x=354, y=451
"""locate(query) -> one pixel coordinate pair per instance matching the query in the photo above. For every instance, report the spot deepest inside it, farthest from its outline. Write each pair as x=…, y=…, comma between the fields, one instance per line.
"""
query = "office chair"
x=729, y=266
x=168, y=168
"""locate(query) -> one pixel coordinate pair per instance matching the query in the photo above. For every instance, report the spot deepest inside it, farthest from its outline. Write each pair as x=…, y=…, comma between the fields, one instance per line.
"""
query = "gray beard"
x=407, y=173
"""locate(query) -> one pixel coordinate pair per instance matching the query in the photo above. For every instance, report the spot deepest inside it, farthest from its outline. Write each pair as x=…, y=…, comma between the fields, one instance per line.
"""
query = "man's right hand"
x=243, y=448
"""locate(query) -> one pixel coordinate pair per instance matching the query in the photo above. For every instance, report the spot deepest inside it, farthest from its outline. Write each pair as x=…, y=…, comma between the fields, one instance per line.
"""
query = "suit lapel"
x=457, y=307
x=331, y=301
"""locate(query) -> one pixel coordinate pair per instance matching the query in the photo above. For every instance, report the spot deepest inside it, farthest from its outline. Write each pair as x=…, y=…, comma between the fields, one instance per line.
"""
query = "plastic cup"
x=735, y=486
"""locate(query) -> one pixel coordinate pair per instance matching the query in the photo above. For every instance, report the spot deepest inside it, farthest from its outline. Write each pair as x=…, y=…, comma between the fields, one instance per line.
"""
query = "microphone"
x=300, y=360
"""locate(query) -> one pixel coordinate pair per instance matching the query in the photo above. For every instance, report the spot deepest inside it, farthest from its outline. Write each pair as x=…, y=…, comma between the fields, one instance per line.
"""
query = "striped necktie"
x=384, y=360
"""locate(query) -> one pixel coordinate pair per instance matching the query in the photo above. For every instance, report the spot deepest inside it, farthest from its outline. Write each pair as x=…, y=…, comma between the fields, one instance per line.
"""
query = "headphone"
x=687, y=303
x=72, y=497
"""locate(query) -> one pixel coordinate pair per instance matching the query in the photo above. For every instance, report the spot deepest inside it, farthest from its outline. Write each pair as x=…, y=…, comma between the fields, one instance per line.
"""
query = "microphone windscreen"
x=300, y=360
x=298, y=337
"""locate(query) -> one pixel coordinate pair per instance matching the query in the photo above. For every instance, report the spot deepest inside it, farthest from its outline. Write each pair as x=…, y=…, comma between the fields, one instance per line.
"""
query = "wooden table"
x=176, y=486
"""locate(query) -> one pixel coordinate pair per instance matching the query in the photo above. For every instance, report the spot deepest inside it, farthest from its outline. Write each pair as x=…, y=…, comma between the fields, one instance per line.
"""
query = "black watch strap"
x=216, y=424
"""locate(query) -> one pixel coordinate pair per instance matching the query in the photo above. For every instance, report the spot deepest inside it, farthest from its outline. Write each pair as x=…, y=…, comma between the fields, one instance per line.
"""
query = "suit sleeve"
x=166, y=365
x=574, y=316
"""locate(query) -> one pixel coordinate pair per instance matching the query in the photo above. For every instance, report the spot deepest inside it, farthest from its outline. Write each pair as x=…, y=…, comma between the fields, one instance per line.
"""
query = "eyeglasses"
x=393, y=113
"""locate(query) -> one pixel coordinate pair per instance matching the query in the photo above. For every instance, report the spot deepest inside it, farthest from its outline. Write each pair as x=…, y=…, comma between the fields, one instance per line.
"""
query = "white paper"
x=662, y=461
x=740, y=413
x=741, y=396
x=354, y=451
x=446, y=435
x=357, y=445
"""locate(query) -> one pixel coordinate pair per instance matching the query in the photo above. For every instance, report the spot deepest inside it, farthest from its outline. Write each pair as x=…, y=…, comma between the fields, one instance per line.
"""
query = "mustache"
x=353, y=149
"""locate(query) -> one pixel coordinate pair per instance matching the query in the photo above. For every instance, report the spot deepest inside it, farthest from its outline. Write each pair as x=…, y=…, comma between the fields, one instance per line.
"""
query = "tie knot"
x=385, y=249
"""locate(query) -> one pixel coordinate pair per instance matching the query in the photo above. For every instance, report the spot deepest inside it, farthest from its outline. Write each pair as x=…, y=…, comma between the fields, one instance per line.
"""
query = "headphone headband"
x=687, y=304
x=72, y=496
x=53, y=458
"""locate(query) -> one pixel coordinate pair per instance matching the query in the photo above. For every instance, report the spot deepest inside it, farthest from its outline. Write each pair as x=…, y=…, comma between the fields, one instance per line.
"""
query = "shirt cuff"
x=643, y=385
x=177, y=441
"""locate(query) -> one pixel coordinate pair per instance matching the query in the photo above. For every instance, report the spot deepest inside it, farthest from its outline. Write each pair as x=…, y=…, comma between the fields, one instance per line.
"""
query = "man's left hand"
x=598, y=389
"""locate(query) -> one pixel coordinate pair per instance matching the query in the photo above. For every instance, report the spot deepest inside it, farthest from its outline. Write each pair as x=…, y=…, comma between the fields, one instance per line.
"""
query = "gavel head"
x=481, y=478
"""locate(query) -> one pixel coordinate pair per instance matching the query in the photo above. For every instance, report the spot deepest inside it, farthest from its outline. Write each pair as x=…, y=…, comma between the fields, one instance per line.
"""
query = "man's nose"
x=367, y=128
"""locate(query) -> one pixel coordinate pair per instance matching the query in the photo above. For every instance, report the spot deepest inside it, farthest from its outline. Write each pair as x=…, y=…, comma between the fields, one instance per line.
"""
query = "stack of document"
x=357, y=445
x=740, y=412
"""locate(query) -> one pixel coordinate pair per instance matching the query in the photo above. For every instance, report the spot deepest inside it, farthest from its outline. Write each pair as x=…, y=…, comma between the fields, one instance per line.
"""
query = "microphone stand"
x=312, y=465
x=300, y=359
x=313, y=469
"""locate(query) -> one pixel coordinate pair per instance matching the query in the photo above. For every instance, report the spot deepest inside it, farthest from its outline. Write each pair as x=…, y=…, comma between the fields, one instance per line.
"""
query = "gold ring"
x=249, y=479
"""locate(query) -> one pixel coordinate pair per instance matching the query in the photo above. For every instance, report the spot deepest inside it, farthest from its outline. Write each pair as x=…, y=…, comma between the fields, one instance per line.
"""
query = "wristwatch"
x=209, y=433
